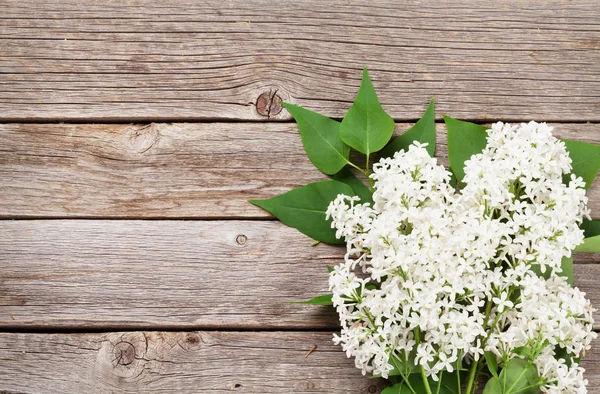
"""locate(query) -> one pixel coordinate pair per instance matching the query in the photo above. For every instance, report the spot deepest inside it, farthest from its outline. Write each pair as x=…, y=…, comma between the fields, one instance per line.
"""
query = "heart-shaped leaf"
x=586, y=160
x=304, y=208
x=360, y=189
x=366, y=127
x=464, y=140
x=423, y=131
x=321, y=139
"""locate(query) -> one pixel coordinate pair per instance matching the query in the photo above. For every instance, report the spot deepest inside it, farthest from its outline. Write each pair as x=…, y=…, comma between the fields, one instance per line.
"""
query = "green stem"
x=527, y=388
x=408, y=383
x=357, y=168
x=423, y=376
x=474, y=366
x=425, y=381
x=470, y=384
x=403, y=376
x=458, y=373
x=439, y=385
x=367, y=173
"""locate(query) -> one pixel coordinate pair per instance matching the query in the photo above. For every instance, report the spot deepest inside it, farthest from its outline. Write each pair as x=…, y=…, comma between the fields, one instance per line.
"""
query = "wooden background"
x=133, y=132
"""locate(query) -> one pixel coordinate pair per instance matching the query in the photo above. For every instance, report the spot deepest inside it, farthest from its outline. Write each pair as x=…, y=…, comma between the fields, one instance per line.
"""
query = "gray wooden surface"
x=203, y=362
x=173, y=274
x=214, y=59
x=132, y=133
x=158, y=170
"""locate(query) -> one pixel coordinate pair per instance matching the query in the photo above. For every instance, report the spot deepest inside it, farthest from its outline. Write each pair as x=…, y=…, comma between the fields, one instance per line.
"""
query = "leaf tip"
x=262, y=204
x=365, y=74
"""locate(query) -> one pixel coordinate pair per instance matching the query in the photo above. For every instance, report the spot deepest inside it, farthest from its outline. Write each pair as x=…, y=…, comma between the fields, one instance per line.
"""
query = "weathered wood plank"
x=178, y=362
x=189, y=362
x=215, y=59
x=167, y=170
x=122, y=274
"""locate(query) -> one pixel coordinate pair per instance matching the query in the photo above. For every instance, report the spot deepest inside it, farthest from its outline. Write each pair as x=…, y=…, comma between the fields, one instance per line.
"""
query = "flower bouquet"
x=452, y=277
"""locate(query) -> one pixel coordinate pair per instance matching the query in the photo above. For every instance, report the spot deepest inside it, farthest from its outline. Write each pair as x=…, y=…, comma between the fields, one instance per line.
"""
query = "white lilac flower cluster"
x=435, y=277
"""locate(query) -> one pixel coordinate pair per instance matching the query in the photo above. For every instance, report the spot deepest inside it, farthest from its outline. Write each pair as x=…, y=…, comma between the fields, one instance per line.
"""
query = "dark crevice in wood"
x=157, y=328
x=145, y=120
x=153, y=218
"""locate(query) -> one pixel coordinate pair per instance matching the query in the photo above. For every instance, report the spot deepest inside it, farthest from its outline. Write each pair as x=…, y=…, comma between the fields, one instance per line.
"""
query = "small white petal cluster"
x=433, y=277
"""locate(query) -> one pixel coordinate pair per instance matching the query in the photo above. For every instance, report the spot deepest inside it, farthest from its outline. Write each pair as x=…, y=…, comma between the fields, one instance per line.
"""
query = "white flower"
x=502, y=302
x=424, y=262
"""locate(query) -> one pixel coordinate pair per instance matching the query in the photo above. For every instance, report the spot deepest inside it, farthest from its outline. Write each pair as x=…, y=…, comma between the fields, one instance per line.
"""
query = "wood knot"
x=141, y=138
x=268, y=104
x=241, y=239
x=193, y=339
x=122, y=357
x=123, y=353
x=372, y=388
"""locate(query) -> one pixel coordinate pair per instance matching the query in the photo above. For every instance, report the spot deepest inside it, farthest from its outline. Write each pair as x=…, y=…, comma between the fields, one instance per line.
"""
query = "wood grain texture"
x=168, y=170
x=148, y=60
x=189, y=362
x=178, y=362
x=124, y=274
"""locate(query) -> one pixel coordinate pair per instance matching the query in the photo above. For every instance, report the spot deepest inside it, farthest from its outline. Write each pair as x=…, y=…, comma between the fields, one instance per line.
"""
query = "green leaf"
x=492, y=363
x=567, y=269
x=586, y=160
x=453, y=180
x=304, y=208
x=401, y=367
x=590, y=228
x=560, y=352
x=449, y=382
x=329, y=269
x=321, y=139
x=493, y=386
x=366, y=127
x=517, y=376
x=589, y=245
x=402, y=387
x=464, y=140
x=360, y=189
x=423, y=131
x=447, y=385
x=325, y=299
x=398, y=388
